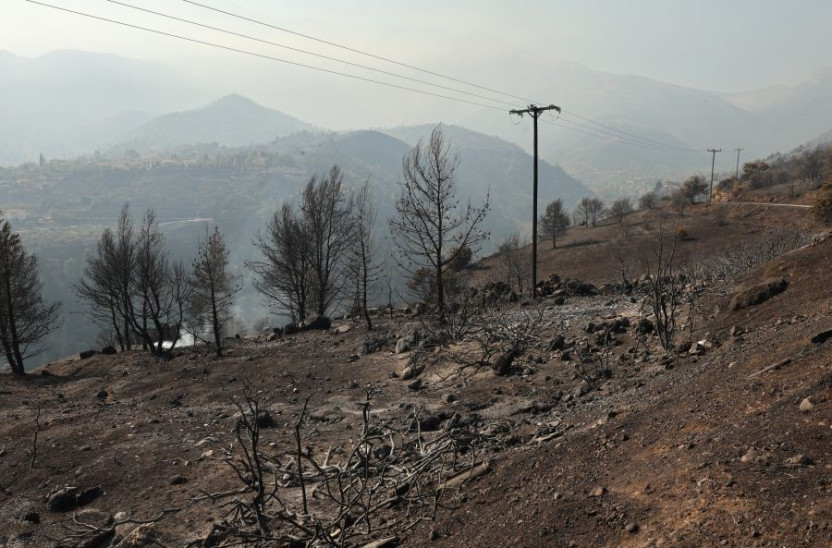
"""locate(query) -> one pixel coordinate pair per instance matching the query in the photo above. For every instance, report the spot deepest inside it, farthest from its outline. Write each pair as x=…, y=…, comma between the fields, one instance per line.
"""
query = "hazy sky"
x=709, y=44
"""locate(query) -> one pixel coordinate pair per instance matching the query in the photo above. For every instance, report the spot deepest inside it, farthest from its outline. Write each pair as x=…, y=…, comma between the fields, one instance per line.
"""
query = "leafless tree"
x=161, y=289
x=591, y=210
x=107, y=283
x=327, y=215
x=554, y=222
x=25, y=319
x=658, y=263
x=365, y=270
x=213, y=288
x=431, y=228
x=647, y=201
x=284, y=276
x=514, y=270
x=620, y=209
x=680, y=201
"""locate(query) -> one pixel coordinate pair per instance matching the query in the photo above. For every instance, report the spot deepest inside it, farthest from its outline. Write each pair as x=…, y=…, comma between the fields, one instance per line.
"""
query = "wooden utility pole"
x=535, y=112
x=737, y=176
x=713, y=152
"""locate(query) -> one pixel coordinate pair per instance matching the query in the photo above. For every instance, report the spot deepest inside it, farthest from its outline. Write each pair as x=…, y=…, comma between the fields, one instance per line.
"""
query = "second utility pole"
x=713, y=151
x=535, y=112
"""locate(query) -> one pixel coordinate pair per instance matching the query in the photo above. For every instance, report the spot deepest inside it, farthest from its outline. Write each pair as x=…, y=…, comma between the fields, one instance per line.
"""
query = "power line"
x=307, y=52
x=358, y=51
x=621, y=133
x=264, y=56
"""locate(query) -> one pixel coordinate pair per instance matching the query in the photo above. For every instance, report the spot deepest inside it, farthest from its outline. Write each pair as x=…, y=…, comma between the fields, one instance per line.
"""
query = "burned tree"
x=431, y=227
x=364, y=270
x=25, y=319
x=327, y=215
x=283, y=276
x=213, y=288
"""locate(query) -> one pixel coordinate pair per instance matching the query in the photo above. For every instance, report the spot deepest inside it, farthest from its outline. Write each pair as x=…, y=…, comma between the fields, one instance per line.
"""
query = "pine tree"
x=554, y=222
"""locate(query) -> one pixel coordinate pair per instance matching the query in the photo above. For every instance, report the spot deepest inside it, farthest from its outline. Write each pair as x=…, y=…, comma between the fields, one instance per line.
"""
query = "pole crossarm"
x=535, y=110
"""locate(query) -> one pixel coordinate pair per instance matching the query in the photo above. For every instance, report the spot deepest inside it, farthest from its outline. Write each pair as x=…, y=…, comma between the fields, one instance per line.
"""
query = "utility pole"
x=737, y=176
x=535, y=112
x=713, y=152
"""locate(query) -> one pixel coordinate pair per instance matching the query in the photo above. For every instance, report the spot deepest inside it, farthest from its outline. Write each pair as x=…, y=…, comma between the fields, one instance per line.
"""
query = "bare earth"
x=675, y=449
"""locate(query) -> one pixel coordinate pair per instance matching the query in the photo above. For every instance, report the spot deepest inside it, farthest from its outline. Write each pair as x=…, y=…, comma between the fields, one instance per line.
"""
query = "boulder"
x=87, y=354
x=108, y=350
x=316, y=322
x=402, y=346
x=759, y=293
x=290, y=328
x=558, y=343
x=502, y=364
x=63, y=500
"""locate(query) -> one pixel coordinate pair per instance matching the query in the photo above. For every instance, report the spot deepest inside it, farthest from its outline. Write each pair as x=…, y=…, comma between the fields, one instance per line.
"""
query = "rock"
x=598, y=492
x=806, y=405
x=736, y=331
x=698, y=348
x=411, y=372
x=63, y=500
x=415, y=385
x=799, y=460
x=502, y=365
x=749, y=456
x=559, y=300
x=581, y=389
x=271, y=337
x=88, y=495
x=822, y=337
x=290, y=328
x=265, y=420
x=342, y=329
x=139, y=537
x=557, y=343
x=645, y=326
x=590, y=327
x=758, y=294
x=178, y=480
x=401, y=346
x=96, y=518
x=277, y=331
x=430, y=423
x=316, y=322
x=631, y=528
x=448, y=398
x=108, y=350
x=101, y=395
x=32, y=517
x=87, y=354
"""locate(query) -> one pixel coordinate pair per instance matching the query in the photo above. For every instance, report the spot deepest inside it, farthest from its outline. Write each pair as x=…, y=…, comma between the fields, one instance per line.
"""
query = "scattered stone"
x=87, y=354
x=430, y=423
x=139, y=537
x=581, y=389
x=265, y=420
x=557, y=343
x=806, y=405
x=758, y=294
x=96, y=518
x=736, y=331
x=448, y=398
x=278, y=331
x=271, y=337
x=32, y=517
x=63, y=500
x=412, y=372
x=559, y=301
x=598, y=492
x=178, y=480
x=415, y=385
x=88, y=495
x=749, y=456
x=316, y=322
x=353, y=358
x=101, y=395
x=631, y=528
x=502, y=365
x=402, y=346
x=645, y=326
x=433, y=535
x=822, y=337
x=799, y=460
x=342, y=329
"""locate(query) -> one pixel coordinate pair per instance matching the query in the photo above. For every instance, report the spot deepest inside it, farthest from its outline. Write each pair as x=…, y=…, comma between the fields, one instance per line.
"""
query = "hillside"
x=231, y=121
x=726, y=444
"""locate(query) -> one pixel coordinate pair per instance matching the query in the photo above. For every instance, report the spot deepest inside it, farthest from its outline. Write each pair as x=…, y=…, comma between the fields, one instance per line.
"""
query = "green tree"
x=554, y=222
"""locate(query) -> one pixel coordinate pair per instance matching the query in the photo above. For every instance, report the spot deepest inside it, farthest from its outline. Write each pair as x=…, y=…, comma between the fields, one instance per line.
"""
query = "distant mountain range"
x=67, y=103
x=231, y=121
